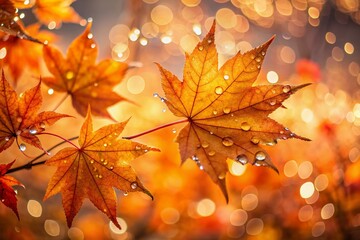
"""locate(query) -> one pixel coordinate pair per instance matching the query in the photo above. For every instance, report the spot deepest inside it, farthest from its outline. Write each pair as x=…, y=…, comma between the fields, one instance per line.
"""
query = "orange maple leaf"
x=92, y=170
x=47, y=11
x=78, y=76
x=10, y=22
x=7, y=193
x=19, y=117
x=227, y=115
x=17, y=55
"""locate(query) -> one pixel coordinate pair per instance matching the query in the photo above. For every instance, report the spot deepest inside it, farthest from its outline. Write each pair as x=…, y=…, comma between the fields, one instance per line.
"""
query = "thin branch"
x=58, y=136
x=61, y=102
x=157, y=128
x=31, y=163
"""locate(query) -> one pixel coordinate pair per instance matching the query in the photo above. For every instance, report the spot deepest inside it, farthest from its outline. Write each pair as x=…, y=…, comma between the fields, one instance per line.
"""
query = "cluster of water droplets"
x=162, y=99
x=197, y=161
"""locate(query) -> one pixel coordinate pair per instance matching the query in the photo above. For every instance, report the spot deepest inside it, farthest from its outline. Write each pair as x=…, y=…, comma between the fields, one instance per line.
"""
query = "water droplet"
x=22, y=147
x=126, y=193
x=69, y=75
x=272, y=102
x=209, y=41
x=101, y=160
x=263, y=53
x=215, y=112
x=33, y=131
x=7, y=138
x=260, y=156
x=96, y=84
x=111, y=168
x=162, y=99
x=105, y=163
x=42, y=125
x=255, y=140
x=227, y=110
x=227, y=142
x=104, y=210
x=93, y=45
x=252, y=56
x=155, y=95
x=19, y=119
x=201, y=167
x=2, y=200
x=92, y=161
x=226, y=77
x=272, y=143
x=258, y=59
x=105, y=144
x=204, y=144
x=222, y=175
x=281, y=132
x=219, y=90
x=65, y=161
x=133, y=185
x=173, y=130
x=211, y=133
x=18, y=132
x=292, y=134
x=245, y=126
x=242, y=159
x=164, y=110
x=286, y=89
x=258, y=66
x=200, y=48
x=90, y=36
x=100, y=176
x=195, y=158
x=211, y=153
x=137, y=147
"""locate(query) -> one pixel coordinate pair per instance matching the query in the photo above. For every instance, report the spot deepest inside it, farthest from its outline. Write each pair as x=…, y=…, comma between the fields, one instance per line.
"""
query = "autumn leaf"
x=227, y=115
x=92, y=170
x=13, y=49
x=80, y=77
x=10, y=22
x=19, y=117
x=7, y=193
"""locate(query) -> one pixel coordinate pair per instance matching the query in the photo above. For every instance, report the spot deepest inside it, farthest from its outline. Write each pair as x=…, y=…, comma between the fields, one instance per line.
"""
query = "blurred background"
x=316, y=194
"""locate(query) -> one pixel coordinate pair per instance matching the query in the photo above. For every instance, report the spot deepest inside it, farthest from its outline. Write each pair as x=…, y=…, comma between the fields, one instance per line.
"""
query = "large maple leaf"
x=92, y=170
x=7, y=193
x=10, y=22
x=15, y=59
x=80, y=77
x=19, y=116
x=227, y=115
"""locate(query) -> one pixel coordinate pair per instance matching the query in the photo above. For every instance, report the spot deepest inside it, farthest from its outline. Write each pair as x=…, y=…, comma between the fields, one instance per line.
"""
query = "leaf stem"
x=58, y=136
x=61, y=102
x=157, y=128
x=31, y=163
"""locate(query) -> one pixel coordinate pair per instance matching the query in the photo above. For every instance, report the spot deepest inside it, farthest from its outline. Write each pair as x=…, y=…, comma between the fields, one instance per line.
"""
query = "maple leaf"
x=7, y=193
x=51, y=11
x=92, y=170
x=10, y=22
x=19, y=117
x=78, y=76
x=14, y=49
x=227, y=115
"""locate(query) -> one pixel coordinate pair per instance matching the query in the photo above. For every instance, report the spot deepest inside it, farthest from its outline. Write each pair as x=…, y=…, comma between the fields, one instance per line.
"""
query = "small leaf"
x=7, y=193
x=228, y=116
x=79, y=76
x=91, y=171
x=19, y=117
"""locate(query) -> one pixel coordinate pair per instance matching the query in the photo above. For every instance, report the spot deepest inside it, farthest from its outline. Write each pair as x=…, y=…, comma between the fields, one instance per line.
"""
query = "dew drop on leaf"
x=100, y=176
x=215, y=112
x=242, y=159
x=92, y=161
x=205, y=144
x=173, y=130
x=211, y=153
x=133, y=185
x=111, y=168
x=227, y=110
x=222, y=175
x=137, y=147
x=260, y=156
x=255, y=140
x=219, y=90
x=22, y=147
x=18, y=132
x=200, y=48
x=33, y=131
x=19, y=119
x=90, y=36
x=227, y=142
x=252, y=56
x=105, y=144
x=7, y=138
x=226, y=77
x=93, y=45
x=126, y=193
x=272, y=102
x=155, y=95
x=245, y=126
x=42, y=125
x=263, y=53
x=258, y=59
x=286, y=89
